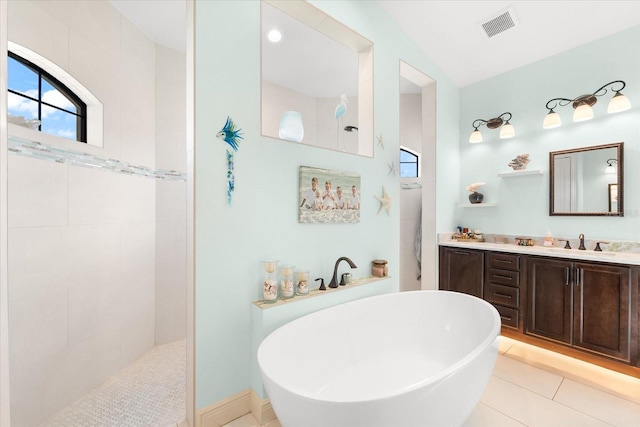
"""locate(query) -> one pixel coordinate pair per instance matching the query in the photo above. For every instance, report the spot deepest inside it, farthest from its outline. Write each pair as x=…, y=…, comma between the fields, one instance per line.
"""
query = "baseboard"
x=261, y=409
x=224, y=411
x=233, y=407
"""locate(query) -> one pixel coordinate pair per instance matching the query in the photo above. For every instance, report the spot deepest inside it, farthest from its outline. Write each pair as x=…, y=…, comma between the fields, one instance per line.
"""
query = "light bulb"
x=583, y=113
x=618, y=103
x=274, y=36
x=507, y=131
x=475, y=137
x=551, y=120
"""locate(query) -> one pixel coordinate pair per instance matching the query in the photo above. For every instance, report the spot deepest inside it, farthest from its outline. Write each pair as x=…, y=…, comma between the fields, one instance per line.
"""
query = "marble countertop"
x=551, y=251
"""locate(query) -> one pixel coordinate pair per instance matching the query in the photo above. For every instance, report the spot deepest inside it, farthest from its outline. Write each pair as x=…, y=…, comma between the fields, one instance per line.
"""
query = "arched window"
x=41, y=90
x=36, y=94
x=409, y=163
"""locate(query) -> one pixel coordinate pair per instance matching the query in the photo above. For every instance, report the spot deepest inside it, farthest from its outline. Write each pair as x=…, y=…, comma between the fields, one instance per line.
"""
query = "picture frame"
x=327, y=196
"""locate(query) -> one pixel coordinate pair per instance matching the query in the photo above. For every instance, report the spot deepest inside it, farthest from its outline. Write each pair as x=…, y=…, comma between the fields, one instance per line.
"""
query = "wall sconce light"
x=583, y=104
x=610, y=166
x=507, y=130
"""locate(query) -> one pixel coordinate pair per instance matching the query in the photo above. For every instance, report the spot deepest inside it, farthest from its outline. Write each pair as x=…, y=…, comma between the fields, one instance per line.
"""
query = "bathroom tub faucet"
x=581, y=237
x=334, y=279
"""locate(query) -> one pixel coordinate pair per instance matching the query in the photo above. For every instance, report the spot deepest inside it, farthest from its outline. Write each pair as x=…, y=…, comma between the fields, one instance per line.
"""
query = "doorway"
x=418, y=239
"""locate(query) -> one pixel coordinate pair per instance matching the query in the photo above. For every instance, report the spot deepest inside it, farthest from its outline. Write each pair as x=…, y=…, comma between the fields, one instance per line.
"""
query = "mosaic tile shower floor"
x=149, y=392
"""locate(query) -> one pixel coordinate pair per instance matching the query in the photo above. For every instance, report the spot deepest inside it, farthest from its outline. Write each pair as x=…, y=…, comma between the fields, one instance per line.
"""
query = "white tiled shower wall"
x=86, y=246
x=171, y=196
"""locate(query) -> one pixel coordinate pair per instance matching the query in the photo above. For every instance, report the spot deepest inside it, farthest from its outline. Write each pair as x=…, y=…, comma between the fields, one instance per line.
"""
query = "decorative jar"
x=476, y=197
x=286, y=282
x=379, y=268
x=302, y=283
x=269, y=282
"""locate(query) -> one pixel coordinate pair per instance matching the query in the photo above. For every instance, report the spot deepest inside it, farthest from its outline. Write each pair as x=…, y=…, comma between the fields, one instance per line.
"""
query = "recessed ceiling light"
x=274, y=36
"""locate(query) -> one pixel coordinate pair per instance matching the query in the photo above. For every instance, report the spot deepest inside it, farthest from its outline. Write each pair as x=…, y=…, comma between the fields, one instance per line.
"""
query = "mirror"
x=316, y=80
x=587, y=181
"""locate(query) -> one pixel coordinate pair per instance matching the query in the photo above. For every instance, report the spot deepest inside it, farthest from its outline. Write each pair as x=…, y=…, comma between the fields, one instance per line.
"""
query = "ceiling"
x=449, y=32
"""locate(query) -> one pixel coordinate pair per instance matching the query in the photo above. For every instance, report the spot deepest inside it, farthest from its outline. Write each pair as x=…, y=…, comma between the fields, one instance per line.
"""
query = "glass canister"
x=286, y=282
x=269, y=282
x=302, y=283
x=379, y=268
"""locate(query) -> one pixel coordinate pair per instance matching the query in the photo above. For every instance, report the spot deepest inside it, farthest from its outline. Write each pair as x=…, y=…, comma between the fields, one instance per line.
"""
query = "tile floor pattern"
x=149, y=392
x=534, y=387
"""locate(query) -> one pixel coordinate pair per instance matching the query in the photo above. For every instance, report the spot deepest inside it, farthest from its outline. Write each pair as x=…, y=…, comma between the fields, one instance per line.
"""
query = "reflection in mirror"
x=317, y=79
x=587, y=181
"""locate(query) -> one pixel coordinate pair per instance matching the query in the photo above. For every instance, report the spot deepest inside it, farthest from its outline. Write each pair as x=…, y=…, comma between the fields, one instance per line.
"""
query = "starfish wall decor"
x=392, y=169
x=385, y=202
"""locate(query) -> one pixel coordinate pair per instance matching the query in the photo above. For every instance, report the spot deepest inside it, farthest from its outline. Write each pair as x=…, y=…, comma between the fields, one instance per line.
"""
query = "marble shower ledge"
x=317, y=293
x=50, y=153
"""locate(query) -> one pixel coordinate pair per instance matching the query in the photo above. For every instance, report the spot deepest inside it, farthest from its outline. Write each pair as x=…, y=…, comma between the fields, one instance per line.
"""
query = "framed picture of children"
x=327, y=196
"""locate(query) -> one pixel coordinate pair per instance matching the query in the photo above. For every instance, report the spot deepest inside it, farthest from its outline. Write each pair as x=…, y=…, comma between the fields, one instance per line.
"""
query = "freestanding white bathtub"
x=398, y=360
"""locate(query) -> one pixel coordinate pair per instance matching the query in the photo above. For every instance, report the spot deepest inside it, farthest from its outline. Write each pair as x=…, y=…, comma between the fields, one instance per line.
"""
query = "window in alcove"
x=36, y=94
x=409, y=163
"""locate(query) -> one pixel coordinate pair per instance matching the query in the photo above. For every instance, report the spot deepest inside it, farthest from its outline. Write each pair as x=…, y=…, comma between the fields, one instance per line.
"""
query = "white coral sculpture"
x=475, y=186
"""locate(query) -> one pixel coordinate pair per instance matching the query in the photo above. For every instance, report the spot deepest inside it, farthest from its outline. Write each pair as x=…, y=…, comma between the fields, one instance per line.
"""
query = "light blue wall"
x=523, y=202
x=262, y=221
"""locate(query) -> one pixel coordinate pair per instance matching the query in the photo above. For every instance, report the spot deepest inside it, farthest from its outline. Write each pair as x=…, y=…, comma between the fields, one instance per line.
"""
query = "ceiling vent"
x=498, y=23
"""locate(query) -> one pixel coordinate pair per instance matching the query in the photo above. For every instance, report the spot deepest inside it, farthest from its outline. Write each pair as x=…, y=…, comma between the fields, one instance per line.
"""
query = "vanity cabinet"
x=462, y=270
x=502, y=289
x=585, y=309
x=582, y=304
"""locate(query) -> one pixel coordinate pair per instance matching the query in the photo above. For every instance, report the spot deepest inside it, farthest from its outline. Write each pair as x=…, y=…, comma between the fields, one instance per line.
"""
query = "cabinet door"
x=463, y=271
x=549, y=292
x=602, y=312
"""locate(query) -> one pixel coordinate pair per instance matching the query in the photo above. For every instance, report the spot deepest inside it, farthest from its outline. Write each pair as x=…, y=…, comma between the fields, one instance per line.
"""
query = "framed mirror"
x=587, y=181
x=316, y=79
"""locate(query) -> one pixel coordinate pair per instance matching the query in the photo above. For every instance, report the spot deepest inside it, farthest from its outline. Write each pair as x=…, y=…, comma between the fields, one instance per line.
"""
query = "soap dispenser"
x=548, y=239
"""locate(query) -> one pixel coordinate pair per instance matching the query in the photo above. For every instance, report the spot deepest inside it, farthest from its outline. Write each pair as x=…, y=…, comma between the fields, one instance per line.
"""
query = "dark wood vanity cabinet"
x=549, y=308
x=462, y=270
x=502, y=285
x=583, y=304
x=589, y=310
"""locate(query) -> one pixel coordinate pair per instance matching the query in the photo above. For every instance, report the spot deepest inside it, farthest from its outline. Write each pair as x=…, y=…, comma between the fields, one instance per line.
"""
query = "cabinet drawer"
x=503, y=261
x=509, y=316
x=504, y=295
x=503, y=277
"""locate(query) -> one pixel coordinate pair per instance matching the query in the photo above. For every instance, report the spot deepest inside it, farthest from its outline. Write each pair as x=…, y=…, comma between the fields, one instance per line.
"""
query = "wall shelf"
x=477, y=205
x=316, y=293
x=520, y=173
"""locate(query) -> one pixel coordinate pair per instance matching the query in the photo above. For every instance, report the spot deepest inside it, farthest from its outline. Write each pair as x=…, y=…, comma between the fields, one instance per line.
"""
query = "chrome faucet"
x=581, y=237
x=334, y=279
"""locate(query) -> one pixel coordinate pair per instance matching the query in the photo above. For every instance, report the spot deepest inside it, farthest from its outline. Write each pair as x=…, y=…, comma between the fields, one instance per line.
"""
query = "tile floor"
x=534, y=387
x=149, y=392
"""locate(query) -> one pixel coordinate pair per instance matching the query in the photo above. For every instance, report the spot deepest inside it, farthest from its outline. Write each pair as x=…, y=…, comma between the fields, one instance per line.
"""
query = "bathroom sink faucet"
x=334, y=279
x=581, y=237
